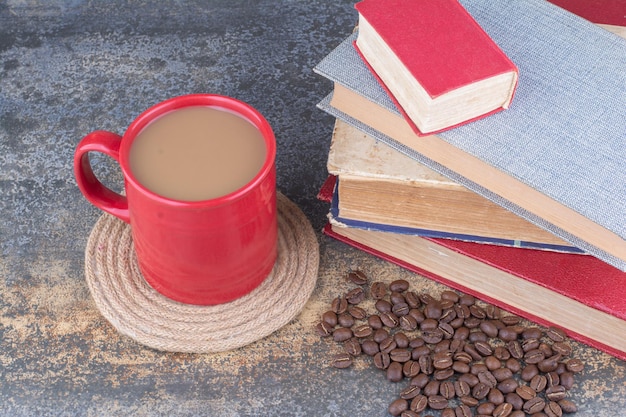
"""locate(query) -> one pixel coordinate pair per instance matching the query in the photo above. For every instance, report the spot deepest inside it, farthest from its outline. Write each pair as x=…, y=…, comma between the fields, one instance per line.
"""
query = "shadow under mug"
x=196, y=252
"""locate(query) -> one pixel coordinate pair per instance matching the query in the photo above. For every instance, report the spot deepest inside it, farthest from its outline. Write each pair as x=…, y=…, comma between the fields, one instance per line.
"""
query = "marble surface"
x=70, y=67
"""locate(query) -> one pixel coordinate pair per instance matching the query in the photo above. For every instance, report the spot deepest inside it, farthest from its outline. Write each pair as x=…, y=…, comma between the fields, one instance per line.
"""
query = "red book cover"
x=439, y=42
x=580, y=277
x=605, y=12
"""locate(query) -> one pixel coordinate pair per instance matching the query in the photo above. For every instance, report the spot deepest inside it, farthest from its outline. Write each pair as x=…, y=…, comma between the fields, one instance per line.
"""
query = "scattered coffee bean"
x=461, y=357
x=357, y=277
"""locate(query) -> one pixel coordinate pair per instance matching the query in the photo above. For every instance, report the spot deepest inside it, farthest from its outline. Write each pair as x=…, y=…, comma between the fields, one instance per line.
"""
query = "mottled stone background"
x=70, y=67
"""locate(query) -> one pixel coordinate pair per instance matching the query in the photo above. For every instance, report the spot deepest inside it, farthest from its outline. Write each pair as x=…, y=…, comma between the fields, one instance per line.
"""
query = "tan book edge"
x=380, y=185
x=479, y=172
x=489, y=281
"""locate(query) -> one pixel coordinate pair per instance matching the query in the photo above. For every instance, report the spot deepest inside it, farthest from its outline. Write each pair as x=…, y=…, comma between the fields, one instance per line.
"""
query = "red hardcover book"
x=578, y=293
x=440, y=67
x=604, y=12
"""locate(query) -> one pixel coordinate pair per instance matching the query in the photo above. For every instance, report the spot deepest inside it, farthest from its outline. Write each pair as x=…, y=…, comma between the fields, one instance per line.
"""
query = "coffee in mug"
x=197, y=153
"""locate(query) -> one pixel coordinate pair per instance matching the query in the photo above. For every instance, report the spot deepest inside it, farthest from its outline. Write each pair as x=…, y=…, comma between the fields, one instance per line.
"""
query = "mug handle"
x=100, y=196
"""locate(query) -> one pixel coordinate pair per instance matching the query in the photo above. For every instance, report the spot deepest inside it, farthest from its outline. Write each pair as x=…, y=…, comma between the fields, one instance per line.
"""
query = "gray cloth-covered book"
x=563, y=137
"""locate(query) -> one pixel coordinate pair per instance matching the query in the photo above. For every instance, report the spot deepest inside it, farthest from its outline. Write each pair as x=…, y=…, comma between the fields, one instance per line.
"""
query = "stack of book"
x=521, y=203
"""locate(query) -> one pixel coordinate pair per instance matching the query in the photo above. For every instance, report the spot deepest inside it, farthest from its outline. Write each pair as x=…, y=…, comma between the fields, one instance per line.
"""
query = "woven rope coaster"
x=138, y=311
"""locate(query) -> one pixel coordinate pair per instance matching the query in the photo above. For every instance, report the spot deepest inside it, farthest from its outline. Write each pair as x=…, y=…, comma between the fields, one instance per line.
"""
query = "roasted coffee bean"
x=553, y=409
x=503, y=410
x=407, y=323
x=447, y=412
x=380, y=335
x=429, y=324
x=388, y=344
x=382, y=360
x=397, y=298
x=492, y=363
x=324, y=329
x=556, y=334
x=412, y=299
x=534, y=405
x=471, y=350
x=442, y=360
x=369, y=347
x=389, y=319
x=501, y=353
x=563, y=348
x=478, y=336
x=378, y=290
x=339, y=305
x=330, y=317
x=526, y=392
x=546, y=349
x=460, y=367
x=399, y=285
x=437, y=402
x=409, y=413
x=400, y=309
x=342, y=334
x=519, y=413
x=485, y=408
x=355, y=296
x=411, y=369
x=443, y=374
x=513, y=365
x=432, y=388
x=508, y=385
x=534, y=356
x=410, y=392
x=469, y=401
x=484, y=348
x=515, y=400
x=383, y=306
x=375, y=322
x=467, y=300
x=538, y=383
x=515, y=349
x=552, y=378
x=400, y=355
x=394, y=372
x=463, y=410
x=398, y=406
x=363, y=330
x=556, y=393
x=495, y=396
x=417, y=315
x=529, y=372
x=447, y=315
x=574, y=365
x=420, y=351
x=420, y=380
x=432, y=336
x=489, y=328
x=510, y=320
x=568, y=406
x=532, y=333
x=433, y=310
x=530, y=344
x=477, y=311
x=477, y=368
x=345, y=320
x=357, y=312
x=487, y=378
x=549, y=364
x=446, y=389
x=567, y=380
x=470, y=379
x=480, y=391
x=461, y=388
x=402, y=340
x=447, y=330
x=342, y=360
x=352, y=346
x=357, y=277
x=507, y=334
x=501, y=374
x=419, y=403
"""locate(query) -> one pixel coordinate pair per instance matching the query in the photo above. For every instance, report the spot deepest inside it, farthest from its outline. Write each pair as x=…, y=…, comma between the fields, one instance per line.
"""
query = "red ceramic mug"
x=196, y=252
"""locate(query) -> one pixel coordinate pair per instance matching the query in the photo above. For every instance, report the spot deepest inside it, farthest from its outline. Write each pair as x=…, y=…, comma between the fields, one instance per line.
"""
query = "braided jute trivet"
x=138, y=311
